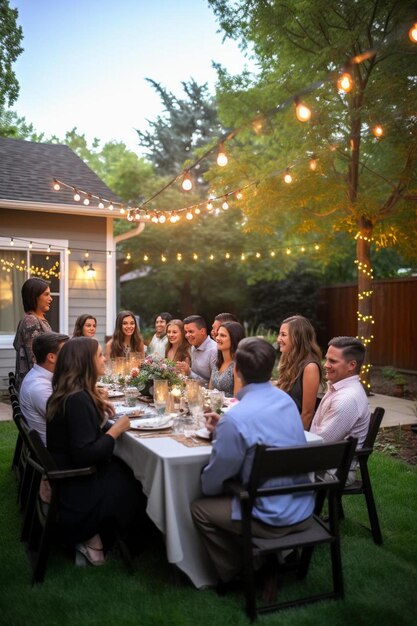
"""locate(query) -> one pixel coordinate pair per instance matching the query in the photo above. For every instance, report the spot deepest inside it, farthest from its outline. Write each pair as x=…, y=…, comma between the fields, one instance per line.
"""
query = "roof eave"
x=69, y=209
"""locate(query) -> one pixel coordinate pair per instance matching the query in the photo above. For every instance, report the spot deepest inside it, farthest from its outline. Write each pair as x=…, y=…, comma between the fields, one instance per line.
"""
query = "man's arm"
x=228, y=454
x=338, y=420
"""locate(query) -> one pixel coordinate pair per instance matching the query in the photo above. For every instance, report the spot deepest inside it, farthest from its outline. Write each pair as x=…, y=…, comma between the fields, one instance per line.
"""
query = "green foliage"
x=11, y=36
x=15, y=127
x=188, y=123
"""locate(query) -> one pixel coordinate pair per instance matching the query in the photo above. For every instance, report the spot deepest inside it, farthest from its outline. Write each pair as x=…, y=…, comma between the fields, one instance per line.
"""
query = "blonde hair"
x=304, y=349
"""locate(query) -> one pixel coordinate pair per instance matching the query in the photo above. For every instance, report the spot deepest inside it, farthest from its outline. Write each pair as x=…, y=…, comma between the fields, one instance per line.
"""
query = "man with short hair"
x=344, y=410
x=203, y=350
x=218, y=321
x=265, y=415
x=37, y=384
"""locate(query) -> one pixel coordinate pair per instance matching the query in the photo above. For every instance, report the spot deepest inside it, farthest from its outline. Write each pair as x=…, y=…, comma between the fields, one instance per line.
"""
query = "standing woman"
x=85, y=326
x=299, y=371
x=93, y=508
x=126, y=337
x=178, y=348
x=36, y=297
x=223, y=376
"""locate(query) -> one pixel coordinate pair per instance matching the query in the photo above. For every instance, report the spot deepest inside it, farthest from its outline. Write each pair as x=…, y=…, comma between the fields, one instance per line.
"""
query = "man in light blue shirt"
x=265, y=415
x=37, y=384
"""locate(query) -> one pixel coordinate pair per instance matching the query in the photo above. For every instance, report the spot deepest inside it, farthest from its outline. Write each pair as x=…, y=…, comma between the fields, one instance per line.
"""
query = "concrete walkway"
x=397, y=410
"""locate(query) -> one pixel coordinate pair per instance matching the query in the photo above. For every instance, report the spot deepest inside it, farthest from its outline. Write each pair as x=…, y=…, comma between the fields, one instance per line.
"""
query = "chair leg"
x=370, y=503
x=337, y=571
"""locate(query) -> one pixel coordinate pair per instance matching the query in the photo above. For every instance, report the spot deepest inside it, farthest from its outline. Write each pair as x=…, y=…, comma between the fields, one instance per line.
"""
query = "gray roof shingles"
x=27, y=170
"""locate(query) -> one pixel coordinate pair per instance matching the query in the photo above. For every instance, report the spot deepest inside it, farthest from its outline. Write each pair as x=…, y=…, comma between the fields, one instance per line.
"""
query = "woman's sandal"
x=82, y=555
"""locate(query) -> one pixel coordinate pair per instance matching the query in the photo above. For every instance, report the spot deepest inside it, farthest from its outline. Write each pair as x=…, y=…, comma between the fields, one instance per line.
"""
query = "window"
x=17, y=265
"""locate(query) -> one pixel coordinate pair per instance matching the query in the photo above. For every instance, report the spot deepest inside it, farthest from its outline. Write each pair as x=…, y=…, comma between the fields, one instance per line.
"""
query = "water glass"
x=160, y=395
x=131, y=394
x=216, y=400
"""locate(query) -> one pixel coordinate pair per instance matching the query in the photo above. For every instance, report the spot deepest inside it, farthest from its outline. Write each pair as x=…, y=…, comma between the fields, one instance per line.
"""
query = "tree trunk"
x=365, y=319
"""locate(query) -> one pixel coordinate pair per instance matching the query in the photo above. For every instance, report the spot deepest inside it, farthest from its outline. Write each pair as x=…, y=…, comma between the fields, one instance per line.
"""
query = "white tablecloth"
x=170, y=475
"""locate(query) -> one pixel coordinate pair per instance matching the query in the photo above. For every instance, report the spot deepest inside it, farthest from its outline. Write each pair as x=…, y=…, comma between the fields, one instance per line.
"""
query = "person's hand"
x=211, y=420
x=183, y=368
x=119, y=427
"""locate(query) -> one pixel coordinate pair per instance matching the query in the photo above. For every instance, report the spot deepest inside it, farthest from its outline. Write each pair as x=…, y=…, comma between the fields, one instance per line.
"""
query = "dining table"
x=169, y=466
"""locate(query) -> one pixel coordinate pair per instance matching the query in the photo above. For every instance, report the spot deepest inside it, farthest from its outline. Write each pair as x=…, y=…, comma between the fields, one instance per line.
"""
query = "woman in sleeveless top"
x=126, y=337
x=223, y=375
x=299, y=371
x=178, y=348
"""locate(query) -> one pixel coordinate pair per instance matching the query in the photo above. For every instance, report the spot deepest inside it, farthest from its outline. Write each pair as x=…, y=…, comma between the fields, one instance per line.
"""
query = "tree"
x=11, y=125
x=187, y=124
x=362, y=186
x=11, y=36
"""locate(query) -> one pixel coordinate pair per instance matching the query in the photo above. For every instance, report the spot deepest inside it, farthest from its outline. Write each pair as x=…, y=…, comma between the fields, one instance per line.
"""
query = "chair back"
x=41, y=453
x=308, y=462
x=374, y=424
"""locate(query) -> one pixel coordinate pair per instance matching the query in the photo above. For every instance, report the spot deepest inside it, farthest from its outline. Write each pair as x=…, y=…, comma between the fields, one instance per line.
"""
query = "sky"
x=85, y=62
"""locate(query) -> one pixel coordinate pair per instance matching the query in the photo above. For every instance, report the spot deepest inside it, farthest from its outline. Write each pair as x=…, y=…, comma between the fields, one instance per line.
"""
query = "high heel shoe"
x=82, y=555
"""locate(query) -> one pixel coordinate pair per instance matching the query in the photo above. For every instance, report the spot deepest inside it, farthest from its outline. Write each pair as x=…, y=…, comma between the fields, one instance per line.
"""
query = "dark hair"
x=352, y=350
x=136, y=341
x=183, y=350
x=198, y=320
x=45, y=343
x=32, y=288
x=255, y=359
x=165, y=316
x=79, y=324
x=304, y=348
x=236, y=334
x=226, y=317
x=75, y=370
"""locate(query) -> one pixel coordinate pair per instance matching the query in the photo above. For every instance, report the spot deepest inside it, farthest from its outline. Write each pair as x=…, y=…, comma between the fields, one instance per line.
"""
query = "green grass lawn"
x=380, y=582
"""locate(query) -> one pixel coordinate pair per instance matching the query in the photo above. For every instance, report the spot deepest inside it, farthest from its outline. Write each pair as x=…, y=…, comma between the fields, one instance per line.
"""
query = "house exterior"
x=44, y=232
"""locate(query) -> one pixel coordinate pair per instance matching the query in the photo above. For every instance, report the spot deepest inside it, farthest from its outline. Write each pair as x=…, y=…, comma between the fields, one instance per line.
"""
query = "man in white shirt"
x=344, y=410
x=203, y=350
x=37, y=384
x=159, y=341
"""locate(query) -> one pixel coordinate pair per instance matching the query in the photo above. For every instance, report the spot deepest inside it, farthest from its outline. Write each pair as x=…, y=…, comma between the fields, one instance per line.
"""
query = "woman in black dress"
x=92, y=508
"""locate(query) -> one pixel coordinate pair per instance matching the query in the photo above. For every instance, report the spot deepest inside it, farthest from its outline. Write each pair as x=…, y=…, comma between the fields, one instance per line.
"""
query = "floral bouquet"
x=152, y=367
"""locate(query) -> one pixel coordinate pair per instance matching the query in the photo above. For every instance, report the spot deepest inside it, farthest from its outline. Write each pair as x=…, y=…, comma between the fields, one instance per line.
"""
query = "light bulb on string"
x=312, y=164
x=137, y=216
x=154, y=219
x=287, y=177
x=173, y=218
x=100, y=204
x=197, y=211
x=86, y=200
x=77, y=196
x=209, y=205
x=11, y=241
x=189, y=215
x=187, y=183
x=225, y=205
x=239, y=195
x=57, y=186
x=30, y=245
x=162, y=219
x=129, y=216
x=222, y=159
x=345, y=82
x=302, y=111
x=412, y=33
x=378, y=131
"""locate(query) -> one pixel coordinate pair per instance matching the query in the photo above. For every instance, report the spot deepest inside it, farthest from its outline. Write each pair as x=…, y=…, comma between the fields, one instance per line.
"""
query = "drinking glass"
x=216, y=400
x=131, y=394
x=160, y=395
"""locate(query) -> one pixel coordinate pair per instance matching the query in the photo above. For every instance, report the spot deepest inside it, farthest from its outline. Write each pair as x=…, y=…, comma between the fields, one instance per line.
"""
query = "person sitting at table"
x=159, y=341
x=265, y=415
x=37, y=384
x=178, y=348
x=203, y=350
x=218, y=321
x=94, y=508
x=126, y=337
x=344, y=410
x=85, y=326
x=299, y=370
x=223, y=375
x=36, y=298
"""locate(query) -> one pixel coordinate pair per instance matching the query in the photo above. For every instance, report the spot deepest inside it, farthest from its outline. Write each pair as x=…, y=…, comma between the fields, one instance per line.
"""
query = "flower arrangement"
x=152, y=367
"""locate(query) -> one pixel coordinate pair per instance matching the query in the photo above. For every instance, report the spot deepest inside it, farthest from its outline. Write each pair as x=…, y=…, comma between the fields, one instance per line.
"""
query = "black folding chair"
x=309, y=463
x=363, y=485
x=45, y=517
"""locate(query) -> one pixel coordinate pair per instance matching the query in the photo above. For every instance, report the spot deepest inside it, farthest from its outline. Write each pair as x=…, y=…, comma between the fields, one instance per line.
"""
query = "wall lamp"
x=88, y=269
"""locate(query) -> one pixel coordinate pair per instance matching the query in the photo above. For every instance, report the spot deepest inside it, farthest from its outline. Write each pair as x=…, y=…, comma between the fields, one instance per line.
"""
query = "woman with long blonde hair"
x=95, y=507
x=299, y=370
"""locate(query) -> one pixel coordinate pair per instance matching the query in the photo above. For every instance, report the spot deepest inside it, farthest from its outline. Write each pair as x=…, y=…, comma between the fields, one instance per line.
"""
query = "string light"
x=86, y=200
x=378, y=131
x=77, y=196
x=287, y=177
x=302, y=111
x=222, y=159
x=345, y=82
x=312, y=164
x=187, y=183
x=101, y=204
x=30, y=245
x=412, y=33
x=11, y=241
x=209, y=205
x=189, y=215
x=57, y=186
x=225, y=205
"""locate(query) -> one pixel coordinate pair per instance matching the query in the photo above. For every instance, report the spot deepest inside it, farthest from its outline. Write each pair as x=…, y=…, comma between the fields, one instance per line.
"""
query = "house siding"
x=84, y=295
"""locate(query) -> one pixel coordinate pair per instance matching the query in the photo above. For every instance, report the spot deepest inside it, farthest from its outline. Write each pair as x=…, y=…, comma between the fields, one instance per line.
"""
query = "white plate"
x=203, y=433
x=115, y=394
x=153, y=423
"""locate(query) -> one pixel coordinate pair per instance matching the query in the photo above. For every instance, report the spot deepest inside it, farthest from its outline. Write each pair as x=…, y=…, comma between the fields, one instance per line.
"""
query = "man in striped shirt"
x=344, y=410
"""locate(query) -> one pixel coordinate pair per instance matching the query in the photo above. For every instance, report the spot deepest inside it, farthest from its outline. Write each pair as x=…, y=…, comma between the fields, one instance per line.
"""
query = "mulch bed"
x=399, y=442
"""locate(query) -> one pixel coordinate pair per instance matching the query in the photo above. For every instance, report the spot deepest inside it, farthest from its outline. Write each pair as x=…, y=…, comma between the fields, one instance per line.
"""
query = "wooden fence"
x=395, y=315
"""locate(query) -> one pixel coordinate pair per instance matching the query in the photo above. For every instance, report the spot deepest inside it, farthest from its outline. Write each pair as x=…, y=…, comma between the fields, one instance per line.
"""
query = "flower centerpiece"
x=152, y=367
